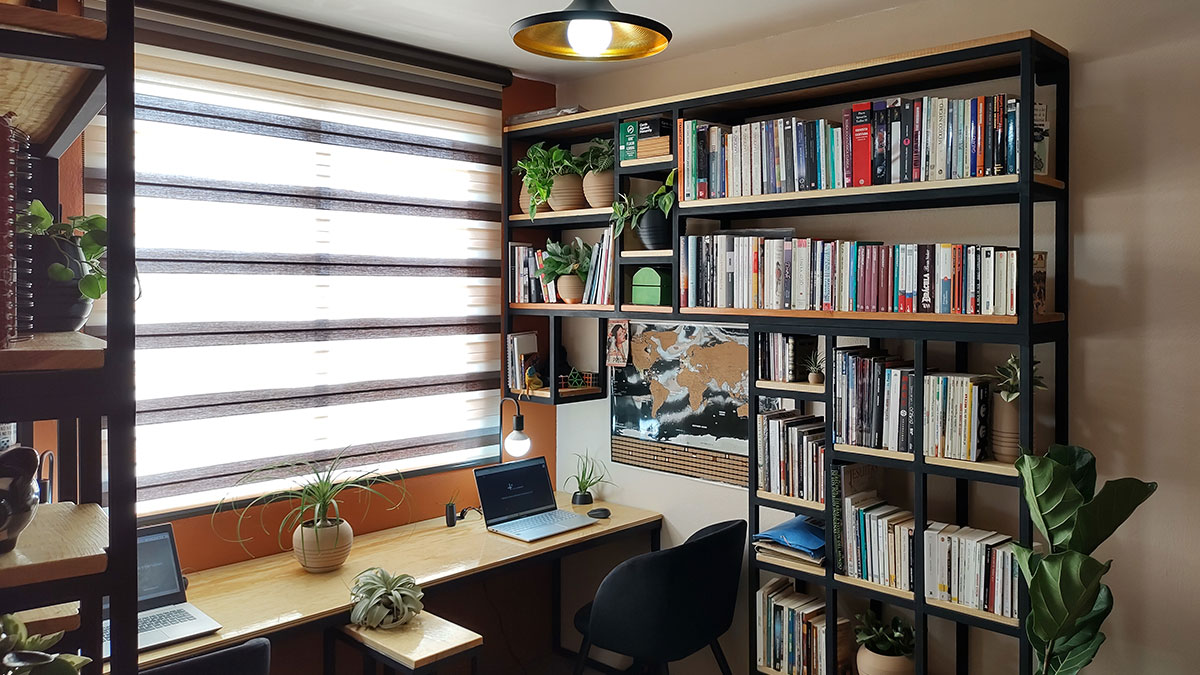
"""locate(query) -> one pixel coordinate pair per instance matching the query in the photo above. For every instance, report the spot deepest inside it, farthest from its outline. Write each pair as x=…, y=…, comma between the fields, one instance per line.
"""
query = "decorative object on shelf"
x=567, y=265
x=618, y=343
x=25, y=654
x=544, y=114
x=1006, y=419
x=650, y=287
x=590, y=30
x=651, y=217
x=383, y=600
x=551, y=176
x=589, y=473
x=18, y=493
x=576, y=379
x=887, y=648
x=598, y=162
x=1068, y=601
x=321, y=538
x=451, y=513
x=516, y=443
x=814, y=365
x=532, y=379
x=66, y=274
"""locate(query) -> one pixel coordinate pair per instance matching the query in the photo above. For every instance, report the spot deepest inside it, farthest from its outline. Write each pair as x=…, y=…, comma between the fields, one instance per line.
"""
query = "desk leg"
x=329, y=645
x=556, y=604
x=656, y=538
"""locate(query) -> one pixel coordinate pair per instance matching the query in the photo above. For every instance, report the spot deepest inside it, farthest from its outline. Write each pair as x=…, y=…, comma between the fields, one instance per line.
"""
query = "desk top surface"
x=270, y=594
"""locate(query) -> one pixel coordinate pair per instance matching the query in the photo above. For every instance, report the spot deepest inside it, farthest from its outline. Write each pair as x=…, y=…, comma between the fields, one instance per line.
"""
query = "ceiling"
x=479, y=28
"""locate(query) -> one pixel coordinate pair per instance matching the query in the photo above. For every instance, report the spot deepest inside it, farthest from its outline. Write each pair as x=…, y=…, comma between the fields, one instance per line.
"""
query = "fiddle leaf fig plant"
x=25, y=654
x=562, y=259
x=384, y=600
x=1068, y=600
x=89, y=232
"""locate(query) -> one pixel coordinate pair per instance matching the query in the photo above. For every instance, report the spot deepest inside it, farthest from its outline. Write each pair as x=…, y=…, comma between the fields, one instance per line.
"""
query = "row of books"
x=525, y=282
x=791, y=454
x=970, y=567
x=781, y=357
x=792, y=626
x=873, y=399
x=520, y=353
x=878, y=540
x=957, y=415
x=770, y=269
x=897, y=140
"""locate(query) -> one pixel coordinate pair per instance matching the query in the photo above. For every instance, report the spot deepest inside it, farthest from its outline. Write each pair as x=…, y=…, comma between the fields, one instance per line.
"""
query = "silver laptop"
x=164, y=614
x=518, y=501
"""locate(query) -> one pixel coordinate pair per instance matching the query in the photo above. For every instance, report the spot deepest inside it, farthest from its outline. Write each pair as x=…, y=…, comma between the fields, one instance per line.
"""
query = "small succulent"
x=25, y=654
x=384, y=600
x=1010, y=378
x=886, y=639
x=814, y=362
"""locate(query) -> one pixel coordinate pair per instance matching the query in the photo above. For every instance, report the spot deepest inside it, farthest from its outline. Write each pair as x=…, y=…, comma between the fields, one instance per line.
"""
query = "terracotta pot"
x=870, y=663
x=570, y=288
x=567, y=193
x=322, y=549
x=816, y=378
x=18, y=493
x=598, y=189
x=1006, y=430
x=523, y=202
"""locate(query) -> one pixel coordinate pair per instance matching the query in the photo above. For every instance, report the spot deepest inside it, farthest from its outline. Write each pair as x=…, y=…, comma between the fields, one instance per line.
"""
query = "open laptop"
x=164, y=614
x=518, y=501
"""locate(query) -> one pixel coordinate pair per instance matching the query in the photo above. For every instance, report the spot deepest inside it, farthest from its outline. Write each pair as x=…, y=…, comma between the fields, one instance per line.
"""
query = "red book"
x=860, y=120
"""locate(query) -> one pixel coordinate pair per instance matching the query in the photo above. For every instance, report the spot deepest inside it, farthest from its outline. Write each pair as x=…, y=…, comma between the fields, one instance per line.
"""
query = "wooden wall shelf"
x=794, y=501
x=874, y=452
x=969, y=611
x=53, y=23
x=64, y=540
x=555, y=215
x=53, y=351
x=46, y=620
x=800, y=387
x=987, y=466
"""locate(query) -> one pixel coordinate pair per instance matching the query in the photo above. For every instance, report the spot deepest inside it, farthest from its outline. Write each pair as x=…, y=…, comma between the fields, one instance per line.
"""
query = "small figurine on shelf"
x=576, y=379
x=532, y=379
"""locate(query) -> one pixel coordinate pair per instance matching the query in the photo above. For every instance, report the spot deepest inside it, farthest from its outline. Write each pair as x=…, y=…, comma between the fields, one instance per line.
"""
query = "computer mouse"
x=600, y=513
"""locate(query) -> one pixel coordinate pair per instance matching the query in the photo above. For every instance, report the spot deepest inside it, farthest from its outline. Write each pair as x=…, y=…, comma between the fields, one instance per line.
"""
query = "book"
x=628, y=140
x=881, y=144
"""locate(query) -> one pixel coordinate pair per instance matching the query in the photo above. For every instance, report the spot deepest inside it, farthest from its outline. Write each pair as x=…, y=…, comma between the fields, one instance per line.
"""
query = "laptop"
x=164, y=614
x=518, y=501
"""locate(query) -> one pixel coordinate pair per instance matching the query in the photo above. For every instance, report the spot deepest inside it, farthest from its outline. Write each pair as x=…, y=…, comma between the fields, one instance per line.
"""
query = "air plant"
x=384, y=600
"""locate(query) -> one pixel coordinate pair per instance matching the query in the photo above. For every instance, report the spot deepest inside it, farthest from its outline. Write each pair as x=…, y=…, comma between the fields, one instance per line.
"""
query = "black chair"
x=251, y=658
x=663, y=606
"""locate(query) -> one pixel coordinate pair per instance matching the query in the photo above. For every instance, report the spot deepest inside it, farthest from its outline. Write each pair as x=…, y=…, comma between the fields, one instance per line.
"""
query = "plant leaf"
x=1075, y=660
x=40, y=217
x=93, y=244
x=59, y=272
x=1088, y=625
x=1082, y=464
x=1027, y=559
x=1064, y=587
x=91, y=286
x=1096, y=520
x=1051, y=496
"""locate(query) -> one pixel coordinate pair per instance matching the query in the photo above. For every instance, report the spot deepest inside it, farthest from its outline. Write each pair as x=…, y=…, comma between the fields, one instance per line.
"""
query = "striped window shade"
x=319, y=274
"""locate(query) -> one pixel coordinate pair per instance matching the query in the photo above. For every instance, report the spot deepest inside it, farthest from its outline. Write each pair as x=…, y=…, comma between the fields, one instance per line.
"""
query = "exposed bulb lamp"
x=516, y=443
x=590, y=30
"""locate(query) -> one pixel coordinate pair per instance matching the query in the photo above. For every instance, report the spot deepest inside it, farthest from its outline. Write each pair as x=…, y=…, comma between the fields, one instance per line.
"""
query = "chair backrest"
x=665, y=605
x=251, y=658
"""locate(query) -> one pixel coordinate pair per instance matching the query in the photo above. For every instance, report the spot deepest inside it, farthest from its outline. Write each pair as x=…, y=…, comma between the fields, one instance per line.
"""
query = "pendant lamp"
x=590, y=30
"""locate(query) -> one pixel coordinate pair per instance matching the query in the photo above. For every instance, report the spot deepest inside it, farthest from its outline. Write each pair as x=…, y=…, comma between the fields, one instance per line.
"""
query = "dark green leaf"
x=1051, y=496
x=93, y=244
x=1082, y=464
x=92, y=286
x=59, y=272
x=1088, y=625
x=1027, y=560
x=1074, y=661
x=41, y=218
x=1096, y=520
x=1064, y=587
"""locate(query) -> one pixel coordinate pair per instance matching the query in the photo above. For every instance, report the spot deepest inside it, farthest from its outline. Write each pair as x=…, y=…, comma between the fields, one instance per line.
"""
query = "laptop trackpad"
x=151, y=638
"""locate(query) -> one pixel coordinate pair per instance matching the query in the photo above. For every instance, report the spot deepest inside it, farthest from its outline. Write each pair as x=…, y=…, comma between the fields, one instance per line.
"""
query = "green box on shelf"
x=650, y=287
x=629, y=139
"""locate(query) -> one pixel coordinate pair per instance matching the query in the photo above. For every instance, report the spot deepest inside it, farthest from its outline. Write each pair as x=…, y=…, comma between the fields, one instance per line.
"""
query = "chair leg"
x=581, y=662
x=720, y=657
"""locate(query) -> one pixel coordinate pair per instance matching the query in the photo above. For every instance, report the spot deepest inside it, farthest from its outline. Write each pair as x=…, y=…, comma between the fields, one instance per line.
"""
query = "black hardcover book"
x=989, y=139
x=838, y=518
x=906, y=141
x=925, y=273
x=999, y=157
x=880, y=144
x=810, y=153
x=702, y=161
x=902, y=425
x=789, y=154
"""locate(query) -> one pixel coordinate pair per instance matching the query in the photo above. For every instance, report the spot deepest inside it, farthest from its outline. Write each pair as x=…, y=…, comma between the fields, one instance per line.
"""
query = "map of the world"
x=685, y=384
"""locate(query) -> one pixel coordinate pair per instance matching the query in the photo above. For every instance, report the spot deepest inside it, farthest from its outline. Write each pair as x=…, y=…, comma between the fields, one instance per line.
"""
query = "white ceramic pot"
x=1006, y=430
x=322, y=549
x=567, y=193
x=870, y=663
x=570, y=288
x=598, y=189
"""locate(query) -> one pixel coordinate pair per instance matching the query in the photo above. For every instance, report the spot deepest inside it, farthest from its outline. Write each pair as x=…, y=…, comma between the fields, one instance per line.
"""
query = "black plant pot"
x=654, y=230
x=451, y=515
x=58, y=306
x=18, y=493
x=581, y=498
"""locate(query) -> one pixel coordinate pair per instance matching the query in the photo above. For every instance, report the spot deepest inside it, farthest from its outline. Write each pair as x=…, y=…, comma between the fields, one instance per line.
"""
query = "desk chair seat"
x=664, y=606
x=251, y=658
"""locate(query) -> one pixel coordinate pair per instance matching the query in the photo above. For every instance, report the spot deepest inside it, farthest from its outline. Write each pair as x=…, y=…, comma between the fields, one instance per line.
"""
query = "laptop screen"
x=514, y=490
x=158, y=571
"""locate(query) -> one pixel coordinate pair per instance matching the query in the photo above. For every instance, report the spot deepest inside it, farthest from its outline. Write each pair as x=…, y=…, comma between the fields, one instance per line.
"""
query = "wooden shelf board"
x=890, y=188
x=544, y=392
x=642, y=161
x=566, y=307
x=655, y=309
x=862, y=583
x=794, y=501
x=38, y=94
x=45, y=21
x=869, y=316
x=794, y=565
x=977, y=613
x=873, y=452
x=62, y=541
x=802, y=387
x=53, y=351
x=567, y=392
x=766, y=670
x=551, y=215
x=46, y=620
x=986, y=466
x=654, y=253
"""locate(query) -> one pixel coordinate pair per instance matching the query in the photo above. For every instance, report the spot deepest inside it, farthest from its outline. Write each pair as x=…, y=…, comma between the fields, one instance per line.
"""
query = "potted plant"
x=536, y=179
x=451, y=510
x=598, y=161
x=384, y=600
x=1006, y=417
x=649, y=217
x=321, y=538
x=887, y=648
x=567, y=265
x=1068, y=601
x=814, y=365
x=67, y=275
x=25, y=654
x=589, y=473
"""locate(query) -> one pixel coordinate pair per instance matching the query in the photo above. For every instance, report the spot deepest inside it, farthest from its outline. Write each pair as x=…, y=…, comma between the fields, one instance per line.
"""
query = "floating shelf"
x=654, y=253
x=53, y=351
x=46, y=620
x=652, y=309
x=45, y=21
x=868, y=316
x=64, y=540
x=789, y=564
x=871, y=586
x=568, y=392
x=798, y=387
x=790, y=501
x=873, y=452
x=551, y=216
x=563, y=306
x=544, y=392
x=643, y=161
x=977, y=613
x=985, y=466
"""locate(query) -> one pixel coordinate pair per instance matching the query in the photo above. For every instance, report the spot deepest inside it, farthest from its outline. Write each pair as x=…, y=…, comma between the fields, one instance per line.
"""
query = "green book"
x=629, y=138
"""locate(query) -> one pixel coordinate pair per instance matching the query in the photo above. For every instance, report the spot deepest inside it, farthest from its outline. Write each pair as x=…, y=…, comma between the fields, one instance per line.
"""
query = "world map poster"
x=685, y=384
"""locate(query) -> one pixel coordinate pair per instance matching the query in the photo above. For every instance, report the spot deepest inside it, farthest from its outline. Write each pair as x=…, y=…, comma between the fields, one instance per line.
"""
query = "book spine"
x=998, y=167
x=895, y=138
x=1010, y=136
x=918, y=139
x=789, y=154
x=810, y=153
x=702, y=161
x=972, y=136
x=880, y=162
x=847, y=146
x=906, y=140
x=861, y=154
x=989, y=137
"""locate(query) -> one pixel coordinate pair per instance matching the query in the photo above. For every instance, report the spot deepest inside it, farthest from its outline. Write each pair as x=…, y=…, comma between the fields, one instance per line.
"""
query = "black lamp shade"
x=633, y=37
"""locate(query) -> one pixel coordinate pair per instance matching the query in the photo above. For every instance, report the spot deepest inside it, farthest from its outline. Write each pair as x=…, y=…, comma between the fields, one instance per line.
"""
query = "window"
x=319, y=272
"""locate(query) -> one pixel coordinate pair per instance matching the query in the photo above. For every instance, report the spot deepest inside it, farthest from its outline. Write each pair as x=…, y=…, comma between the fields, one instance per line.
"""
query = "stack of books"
x=791, y=631
x=791, y=454
x=781, y=357
x=957, y=415
x=873, y=399
x=645, y=138
x=878, y=539
x=973, y=568
x=521, y=352
x=799, y=540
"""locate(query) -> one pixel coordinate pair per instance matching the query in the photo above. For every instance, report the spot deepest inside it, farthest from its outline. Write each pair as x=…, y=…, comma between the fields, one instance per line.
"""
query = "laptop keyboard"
x=540, y=520
x=161, y=620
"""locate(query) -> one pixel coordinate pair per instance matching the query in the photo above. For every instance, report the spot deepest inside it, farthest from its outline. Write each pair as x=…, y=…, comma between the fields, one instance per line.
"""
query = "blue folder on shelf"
x=799, y=533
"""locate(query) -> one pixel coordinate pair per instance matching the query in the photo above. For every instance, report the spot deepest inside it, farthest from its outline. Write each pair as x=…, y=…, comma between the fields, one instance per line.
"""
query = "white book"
x=1012, y=283
x=895, y=137
x=747, y=180
x=987, y=280
x=930, y=541
x=732, y=165
x=839, y=167
x=1000, y=289
x=756, y=167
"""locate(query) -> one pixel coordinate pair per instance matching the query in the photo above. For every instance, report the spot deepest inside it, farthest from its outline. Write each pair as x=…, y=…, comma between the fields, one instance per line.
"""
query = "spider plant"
x=589, y=472
x=384, y=600
x=814, y=362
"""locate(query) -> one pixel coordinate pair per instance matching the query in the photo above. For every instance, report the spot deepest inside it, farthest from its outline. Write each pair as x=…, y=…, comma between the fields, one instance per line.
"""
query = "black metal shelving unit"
x=1035, y=62
x=97, y=400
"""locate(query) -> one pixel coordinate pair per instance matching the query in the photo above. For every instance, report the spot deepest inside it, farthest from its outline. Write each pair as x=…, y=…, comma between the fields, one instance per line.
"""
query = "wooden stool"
x=418, y=647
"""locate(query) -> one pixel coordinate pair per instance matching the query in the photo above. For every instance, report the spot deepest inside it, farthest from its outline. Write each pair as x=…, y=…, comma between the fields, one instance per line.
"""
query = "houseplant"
x=321, y=538
x=814, y=365
x=598, y=161
x=887, y=648
x=67, y=274
x=1068, y=601
x=567, y=265
x=25, y=654
x=1006, y=417
x=384, y=600
x=649, y=216
x=589, y=473
x=536, y=179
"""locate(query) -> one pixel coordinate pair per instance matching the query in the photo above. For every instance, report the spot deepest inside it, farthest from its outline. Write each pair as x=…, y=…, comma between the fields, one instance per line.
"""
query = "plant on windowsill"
x=67, y=275
x=814, y=365
x=321, y=538
x=598, y=161
x=589, y=473
x=650, y=217
x=383, y=600
x=1006, y=416
x=887, y=648
x=25, y=654
x=566, y=266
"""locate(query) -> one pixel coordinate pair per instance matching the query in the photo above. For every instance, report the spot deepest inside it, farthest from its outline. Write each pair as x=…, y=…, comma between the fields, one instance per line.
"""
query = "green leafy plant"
x=814, y=362
x=1068, y=601
x=384, y=600
x=562, y=259
x=315, y=495
x=89, y=232
x=589, y=472
x=540, y=166
x=599, y=156
x=627, y=210
x=25, y=654
x=886, y=639
x=1009, y=384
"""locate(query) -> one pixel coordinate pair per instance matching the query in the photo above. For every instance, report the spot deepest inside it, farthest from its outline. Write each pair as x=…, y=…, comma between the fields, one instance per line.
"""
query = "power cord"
x=463, y=514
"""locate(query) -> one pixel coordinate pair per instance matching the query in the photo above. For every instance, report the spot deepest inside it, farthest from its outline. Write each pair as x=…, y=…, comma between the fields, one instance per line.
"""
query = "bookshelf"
x=1040, y=70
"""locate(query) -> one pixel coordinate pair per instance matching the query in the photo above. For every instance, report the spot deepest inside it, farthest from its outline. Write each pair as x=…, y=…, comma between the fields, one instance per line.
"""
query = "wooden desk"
x=273, y=594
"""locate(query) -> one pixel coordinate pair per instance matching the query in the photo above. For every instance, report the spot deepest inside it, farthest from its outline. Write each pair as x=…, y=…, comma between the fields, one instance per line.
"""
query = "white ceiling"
x=479, y=28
